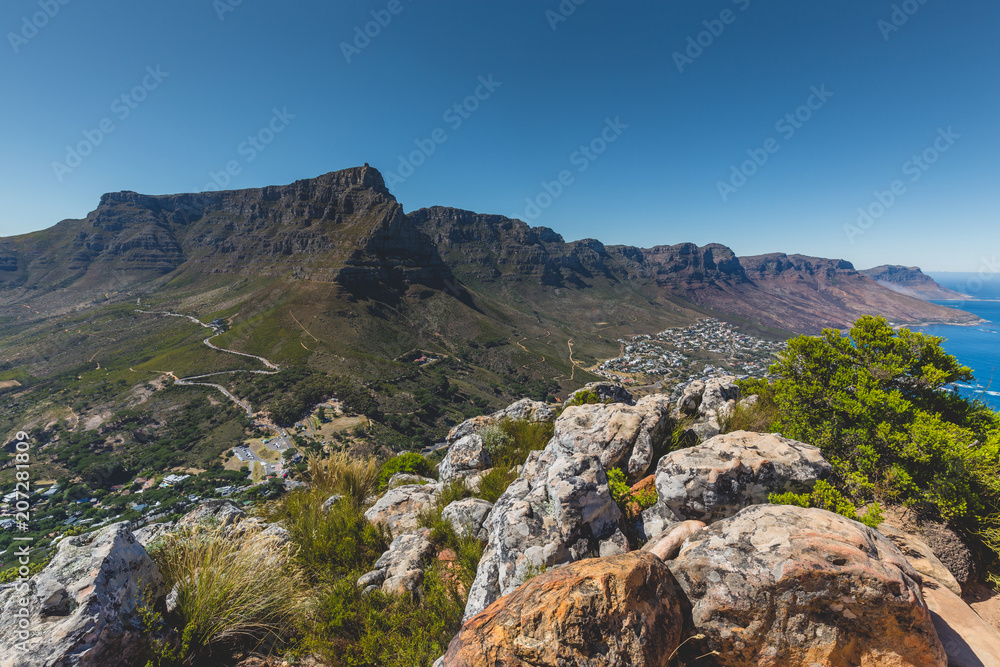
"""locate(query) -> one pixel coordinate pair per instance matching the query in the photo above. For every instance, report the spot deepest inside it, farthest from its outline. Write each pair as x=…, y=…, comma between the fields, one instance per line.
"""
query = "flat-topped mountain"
x=911, y=281
x=342, y=227
x=346, y=229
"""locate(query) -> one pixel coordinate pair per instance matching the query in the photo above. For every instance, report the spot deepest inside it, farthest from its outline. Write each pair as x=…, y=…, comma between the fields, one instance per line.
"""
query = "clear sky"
x=279, y=91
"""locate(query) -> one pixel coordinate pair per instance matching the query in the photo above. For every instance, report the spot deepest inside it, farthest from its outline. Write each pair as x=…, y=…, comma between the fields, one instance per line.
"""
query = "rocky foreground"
x=722, y=578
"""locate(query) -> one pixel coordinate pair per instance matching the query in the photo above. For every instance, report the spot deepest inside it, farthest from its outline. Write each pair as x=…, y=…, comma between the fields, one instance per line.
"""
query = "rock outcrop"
x=559, y=510
x=399, y=509
x=618, y=433
x=781, y=585
x=82, y=609
x=600, y=613
x=401, y=569
x=721, y=476
x=467, y=516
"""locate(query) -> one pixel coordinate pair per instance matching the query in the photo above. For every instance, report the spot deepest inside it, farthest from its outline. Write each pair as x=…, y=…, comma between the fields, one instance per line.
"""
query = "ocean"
x=977, y=347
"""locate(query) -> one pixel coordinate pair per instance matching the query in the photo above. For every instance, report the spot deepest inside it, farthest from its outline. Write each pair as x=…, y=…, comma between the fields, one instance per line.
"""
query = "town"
x=707, y=347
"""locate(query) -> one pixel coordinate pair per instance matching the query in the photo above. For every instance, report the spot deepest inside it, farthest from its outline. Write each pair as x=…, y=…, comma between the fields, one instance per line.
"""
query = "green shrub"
x=410, y=463
x=494, y=483
x=826, y=497
x=584, y=397
x=351, y=629
x=874, y=402
x=329, y=542
x=628, y=502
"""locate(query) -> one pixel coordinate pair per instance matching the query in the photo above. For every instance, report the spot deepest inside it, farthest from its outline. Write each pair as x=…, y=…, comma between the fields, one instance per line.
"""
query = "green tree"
x=874, y=401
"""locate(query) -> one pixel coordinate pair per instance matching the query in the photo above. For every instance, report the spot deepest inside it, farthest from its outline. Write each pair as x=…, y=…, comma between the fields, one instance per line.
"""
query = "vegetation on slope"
x=874, y=400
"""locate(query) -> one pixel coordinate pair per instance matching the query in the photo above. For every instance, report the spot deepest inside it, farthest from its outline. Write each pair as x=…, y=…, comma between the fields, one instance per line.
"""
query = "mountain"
x=777, y=291
x=911, y=281
x=330, y=277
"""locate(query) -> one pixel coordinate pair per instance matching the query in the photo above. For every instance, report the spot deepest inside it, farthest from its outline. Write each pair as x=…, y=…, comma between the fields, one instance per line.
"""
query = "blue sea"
x=977, y=347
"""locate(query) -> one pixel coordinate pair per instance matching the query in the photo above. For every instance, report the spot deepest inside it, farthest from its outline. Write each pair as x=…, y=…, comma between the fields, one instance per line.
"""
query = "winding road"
x=187, y=382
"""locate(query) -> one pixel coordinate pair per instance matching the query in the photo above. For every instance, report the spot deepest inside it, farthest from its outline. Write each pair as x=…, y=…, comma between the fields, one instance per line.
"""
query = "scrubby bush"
x=826, y=497
x=875, y=402
x=409, y=463
x=354, y=478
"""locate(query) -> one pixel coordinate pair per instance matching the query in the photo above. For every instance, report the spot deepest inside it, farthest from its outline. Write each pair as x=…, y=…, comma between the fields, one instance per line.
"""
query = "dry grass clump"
x=354, y=478
x=232, y=586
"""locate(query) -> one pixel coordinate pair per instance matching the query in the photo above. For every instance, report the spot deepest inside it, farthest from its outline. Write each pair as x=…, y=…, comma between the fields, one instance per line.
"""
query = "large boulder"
x=399, y=509
x=535, y=411
x=782, y=585
x=466, y=456
x=968, y=640
x=401, y=569
x=721, y=476
x=559, y=510
x=217, y=512
x=719, y=396
x=82, y=607
x=599, y=613
x=619, y=434
x=466, y=516
x=523, y=409
x=606, y=392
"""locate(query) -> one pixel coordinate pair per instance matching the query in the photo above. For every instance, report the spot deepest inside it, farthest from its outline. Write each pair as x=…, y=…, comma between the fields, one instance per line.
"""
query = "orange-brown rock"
x=783, y=586
x=621, y=610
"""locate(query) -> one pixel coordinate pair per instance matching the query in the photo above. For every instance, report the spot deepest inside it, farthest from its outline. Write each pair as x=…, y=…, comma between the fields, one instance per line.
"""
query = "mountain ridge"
x=346, y=228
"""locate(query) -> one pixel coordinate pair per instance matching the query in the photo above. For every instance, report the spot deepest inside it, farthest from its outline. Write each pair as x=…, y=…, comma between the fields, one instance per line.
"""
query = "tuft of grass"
x=354, y=478
x=329, y=542
x=762, y=417
x=494, y=483
x=232, y=588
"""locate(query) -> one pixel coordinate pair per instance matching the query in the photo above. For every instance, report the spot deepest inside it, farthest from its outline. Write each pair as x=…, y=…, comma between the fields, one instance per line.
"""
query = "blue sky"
x=594, y=94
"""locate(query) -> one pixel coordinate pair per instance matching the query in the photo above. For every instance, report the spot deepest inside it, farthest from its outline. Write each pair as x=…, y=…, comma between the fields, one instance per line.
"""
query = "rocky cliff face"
x=911, y=281
x=790, y=292
x=346, y=228
x=342, y=227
